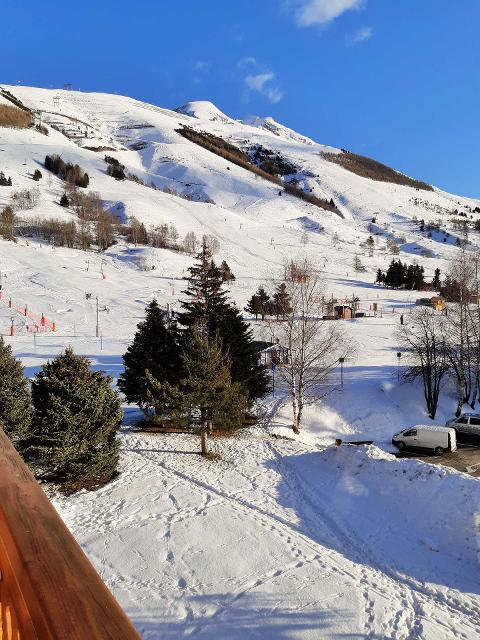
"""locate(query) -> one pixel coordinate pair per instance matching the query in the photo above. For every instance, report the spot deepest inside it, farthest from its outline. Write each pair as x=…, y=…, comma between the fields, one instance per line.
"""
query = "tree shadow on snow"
x=379, y=513
x=237, y=616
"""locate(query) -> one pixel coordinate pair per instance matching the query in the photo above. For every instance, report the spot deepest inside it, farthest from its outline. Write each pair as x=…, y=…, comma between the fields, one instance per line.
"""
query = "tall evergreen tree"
x=436, y=283
x=254, y=306
x=380, y=276
x=210, y=396
x=156, y=349
x=77, y=416
x=208, y=307
x=410, y=277
x=396, y=273
x=206, y=298
x=264, y=302
x=15, y=400
x=281, y=301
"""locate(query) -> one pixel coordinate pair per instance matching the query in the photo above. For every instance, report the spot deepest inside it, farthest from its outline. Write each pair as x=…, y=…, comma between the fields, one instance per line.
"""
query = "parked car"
x=437, y=439
x=467, y=427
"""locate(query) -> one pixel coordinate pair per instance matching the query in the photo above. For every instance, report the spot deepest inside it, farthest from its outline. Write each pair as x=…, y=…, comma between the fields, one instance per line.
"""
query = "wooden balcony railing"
x=48, y=588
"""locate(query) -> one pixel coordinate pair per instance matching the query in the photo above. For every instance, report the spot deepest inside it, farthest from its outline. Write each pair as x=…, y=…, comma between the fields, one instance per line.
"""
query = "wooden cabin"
x=269, y=353
x=436, y=302
x=343, y=312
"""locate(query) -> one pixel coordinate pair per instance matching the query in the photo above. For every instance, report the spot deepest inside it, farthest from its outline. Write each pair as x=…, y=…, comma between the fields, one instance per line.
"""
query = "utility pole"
x=341, y=361
x=97, y=329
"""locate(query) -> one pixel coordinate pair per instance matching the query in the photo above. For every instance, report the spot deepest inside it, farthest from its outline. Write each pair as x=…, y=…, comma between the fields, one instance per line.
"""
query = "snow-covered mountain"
x=282, y=538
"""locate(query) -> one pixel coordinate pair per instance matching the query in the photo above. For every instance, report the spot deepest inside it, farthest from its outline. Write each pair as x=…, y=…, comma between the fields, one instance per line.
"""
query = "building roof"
x=261, y=345
x=430, y=427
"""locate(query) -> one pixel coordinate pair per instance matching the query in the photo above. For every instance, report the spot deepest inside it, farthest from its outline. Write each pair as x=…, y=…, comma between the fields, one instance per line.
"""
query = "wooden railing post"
x=48, y=588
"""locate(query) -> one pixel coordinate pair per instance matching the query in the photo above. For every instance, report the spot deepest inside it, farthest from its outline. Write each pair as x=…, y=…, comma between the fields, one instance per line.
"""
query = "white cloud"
x=201, y=69
x=249, y=61
x=261, y=83
x=311, y=12
x=202, y=66
x=365, y=33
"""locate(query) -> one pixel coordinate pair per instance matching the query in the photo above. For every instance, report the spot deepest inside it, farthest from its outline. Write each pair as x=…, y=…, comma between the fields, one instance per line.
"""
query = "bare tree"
x=190, y=243
x=358, y=266
x=314, y=345
x=424, y=339
x=212, y=243
x=7, y=223
x=461, y=328
x=392, y=247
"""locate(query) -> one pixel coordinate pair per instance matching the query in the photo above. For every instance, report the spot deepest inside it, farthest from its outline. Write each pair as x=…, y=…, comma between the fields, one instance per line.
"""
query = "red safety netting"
x=40, y=322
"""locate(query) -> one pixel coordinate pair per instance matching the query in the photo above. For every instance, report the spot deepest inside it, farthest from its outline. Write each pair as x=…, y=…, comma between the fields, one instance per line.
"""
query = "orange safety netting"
x=40, y=322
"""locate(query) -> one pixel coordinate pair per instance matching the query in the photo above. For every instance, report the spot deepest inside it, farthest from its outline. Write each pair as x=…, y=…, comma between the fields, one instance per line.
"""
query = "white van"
x=438, y=439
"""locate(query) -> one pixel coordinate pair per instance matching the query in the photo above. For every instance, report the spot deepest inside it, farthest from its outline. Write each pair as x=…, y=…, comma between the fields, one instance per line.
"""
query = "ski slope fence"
x=40, y=323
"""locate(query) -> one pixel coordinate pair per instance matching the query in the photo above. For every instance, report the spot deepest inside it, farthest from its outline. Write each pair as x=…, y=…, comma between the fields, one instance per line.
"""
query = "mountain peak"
x=203, y=110
x=269, y=124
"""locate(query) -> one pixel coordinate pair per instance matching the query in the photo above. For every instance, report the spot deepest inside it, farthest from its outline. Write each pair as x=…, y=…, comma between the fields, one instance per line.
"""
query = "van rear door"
x=452, y=440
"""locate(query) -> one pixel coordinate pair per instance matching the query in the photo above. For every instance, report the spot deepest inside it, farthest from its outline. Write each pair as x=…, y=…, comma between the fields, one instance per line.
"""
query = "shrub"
x=4, y=181
x=37, y=175
x=25, y=199
x=369, y=168
x=272, y=163
x=71, y=173
x=14, y=117
x=64, y=201
x=42, y=129
x=57, y=232
x=77, y=416
x=232, y=153
x=114, y=168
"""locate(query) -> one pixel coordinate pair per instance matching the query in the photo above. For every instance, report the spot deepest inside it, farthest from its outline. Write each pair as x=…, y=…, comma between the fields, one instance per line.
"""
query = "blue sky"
x=394, y=79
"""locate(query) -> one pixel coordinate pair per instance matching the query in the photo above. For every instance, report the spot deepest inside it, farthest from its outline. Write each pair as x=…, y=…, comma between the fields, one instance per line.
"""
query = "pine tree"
x=370, y=243
x=210, y=396
x=281, y=301
x=410, y=278
x=380, y=276
x=155, y=349
x=64, y=201
x=37, y=175
x=436, y=283
x=208, y=307
x=15, y=400
x=396, y=274
x=206, y=297
x=263, y=301
x=227, y=275
x=254, y=306
x=77, y=416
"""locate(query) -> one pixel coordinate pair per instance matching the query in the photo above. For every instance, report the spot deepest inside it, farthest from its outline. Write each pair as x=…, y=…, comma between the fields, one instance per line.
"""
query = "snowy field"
x=281, y=538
